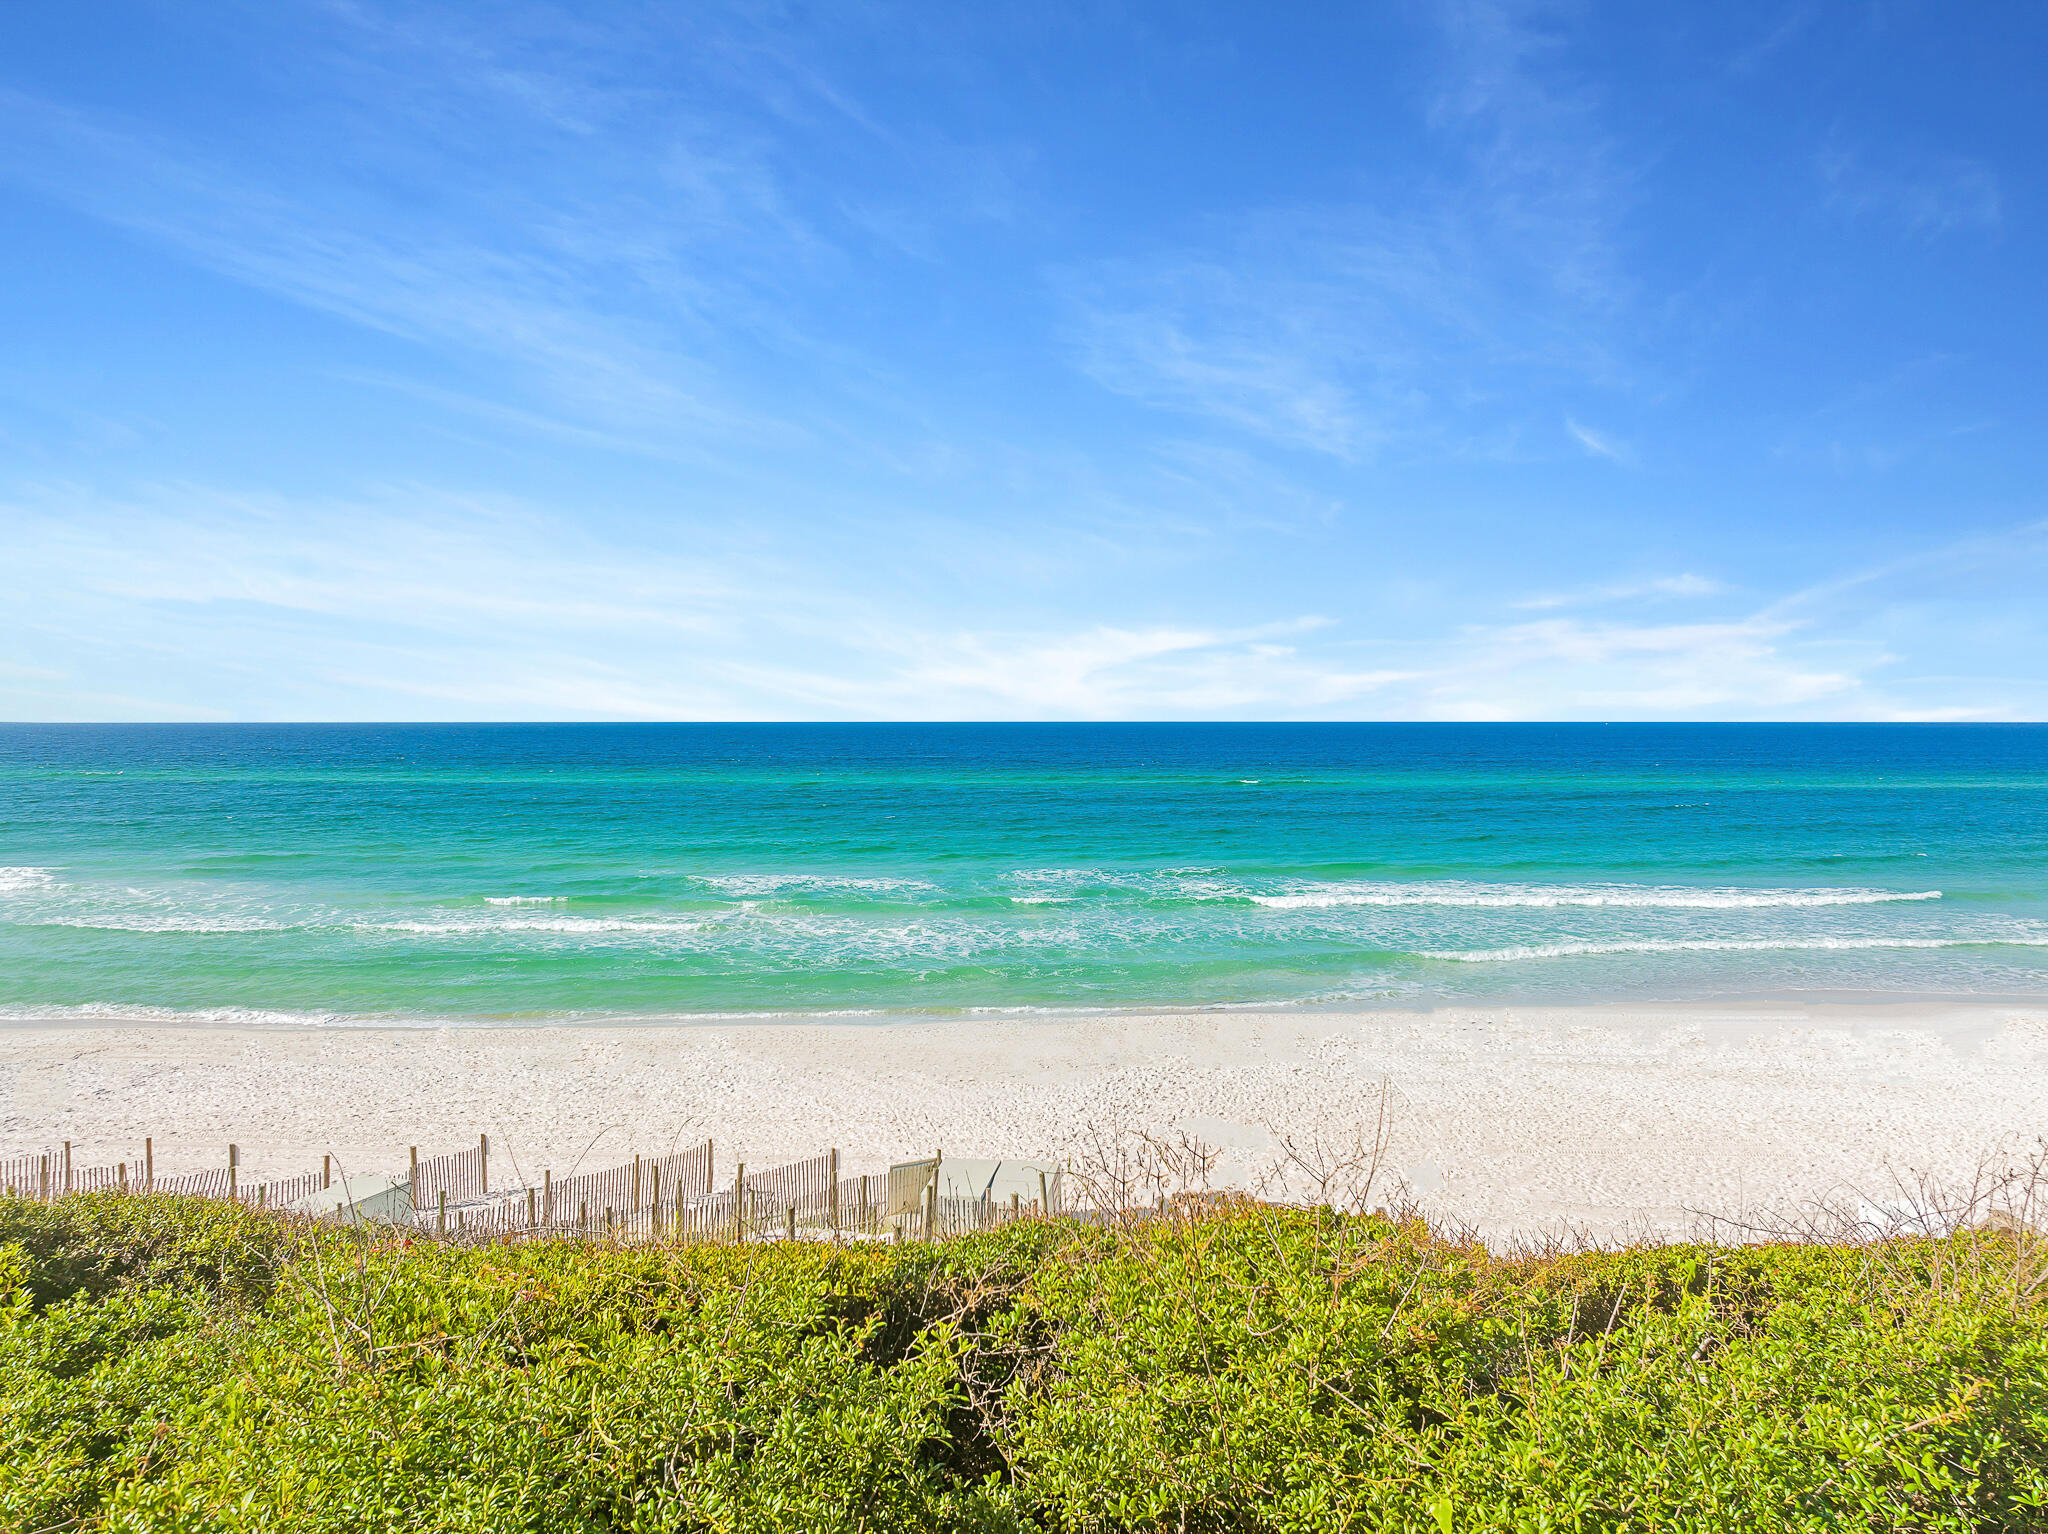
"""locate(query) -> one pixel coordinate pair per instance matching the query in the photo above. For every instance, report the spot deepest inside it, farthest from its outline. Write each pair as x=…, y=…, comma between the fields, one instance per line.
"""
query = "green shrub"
x=170, y=1364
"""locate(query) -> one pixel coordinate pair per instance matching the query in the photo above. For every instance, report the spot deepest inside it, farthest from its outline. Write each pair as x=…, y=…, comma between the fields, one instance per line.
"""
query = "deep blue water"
x=647, y=871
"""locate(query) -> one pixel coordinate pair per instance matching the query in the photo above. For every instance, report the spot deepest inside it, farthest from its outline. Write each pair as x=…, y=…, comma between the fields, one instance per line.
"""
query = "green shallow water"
x=518, y=872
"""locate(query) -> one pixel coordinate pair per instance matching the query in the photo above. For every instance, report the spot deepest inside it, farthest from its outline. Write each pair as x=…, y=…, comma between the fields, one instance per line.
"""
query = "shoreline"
x=1615, y=1119
x=272, y=1019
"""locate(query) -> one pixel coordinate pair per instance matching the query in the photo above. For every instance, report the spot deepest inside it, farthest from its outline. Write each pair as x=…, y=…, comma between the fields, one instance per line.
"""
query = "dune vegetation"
x=176, y=1364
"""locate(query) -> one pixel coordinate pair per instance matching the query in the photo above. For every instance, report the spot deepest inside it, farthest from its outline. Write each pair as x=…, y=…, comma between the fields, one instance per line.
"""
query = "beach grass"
x=177, y=1364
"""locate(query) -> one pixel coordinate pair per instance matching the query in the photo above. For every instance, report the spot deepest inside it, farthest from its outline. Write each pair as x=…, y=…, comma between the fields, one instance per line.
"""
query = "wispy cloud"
x=1987, y=566
x=419, y=602
x=1598, y=443
x=537, y=307
x=1883, y=421
x=422, y=604
x=1663, y=586
x=1568, y=667
x=1101, y=673
x=1779, y=36
x=1288, y=357
x=1842, y=647
x=1930, y=196
x=627, y=225
x=1340, y=329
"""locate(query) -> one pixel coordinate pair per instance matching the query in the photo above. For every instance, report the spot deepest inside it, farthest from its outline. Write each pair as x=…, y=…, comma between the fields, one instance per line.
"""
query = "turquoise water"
x=514, y=872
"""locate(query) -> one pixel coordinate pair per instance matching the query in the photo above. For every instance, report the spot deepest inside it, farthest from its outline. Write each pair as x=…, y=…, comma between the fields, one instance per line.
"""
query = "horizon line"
x=1453, y=724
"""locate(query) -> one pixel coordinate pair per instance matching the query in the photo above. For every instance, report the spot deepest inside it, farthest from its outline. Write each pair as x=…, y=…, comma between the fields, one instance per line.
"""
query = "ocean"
x=642, y=873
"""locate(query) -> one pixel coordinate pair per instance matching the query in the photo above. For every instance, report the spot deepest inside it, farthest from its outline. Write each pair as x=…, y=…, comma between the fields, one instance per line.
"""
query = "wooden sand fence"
x=54, y=1173
x=648, y=1197
x=670, y=1197
x=657, y=1198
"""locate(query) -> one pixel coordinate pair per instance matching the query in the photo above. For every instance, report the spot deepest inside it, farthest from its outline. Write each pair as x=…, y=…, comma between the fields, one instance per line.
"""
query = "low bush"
x=170, y=1364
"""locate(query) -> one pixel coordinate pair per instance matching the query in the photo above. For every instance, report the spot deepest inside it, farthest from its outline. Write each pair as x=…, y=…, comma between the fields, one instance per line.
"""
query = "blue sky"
x=1455, y=361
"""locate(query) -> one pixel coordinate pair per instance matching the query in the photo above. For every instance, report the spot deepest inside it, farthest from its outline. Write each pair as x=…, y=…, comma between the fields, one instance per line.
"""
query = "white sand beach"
x=1614, y=1120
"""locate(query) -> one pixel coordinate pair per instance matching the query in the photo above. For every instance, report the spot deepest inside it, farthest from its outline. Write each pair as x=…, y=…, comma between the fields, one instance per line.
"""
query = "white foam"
x=1543, y=897
x=1067, y=876
x=525, y=899
x=118, y=922
x=122, y=1012
x=1720, y=945
x=769, y=885
x=579, y=925
x=13, y=879
x=1171, y=883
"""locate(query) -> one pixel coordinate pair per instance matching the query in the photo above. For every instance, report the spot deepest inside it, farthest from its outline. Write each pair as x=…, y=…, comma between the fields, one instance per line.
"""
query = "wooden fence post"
x=529, y=1209
x=636, y=1183
x=1044, y=1197
x=67, y=1166
x=832, y=1196
x=234, y=1171
x=739, y=1203
x=124, y=1177
x=583, y=1217
x=441, y=1219
x=483, y=1164
x=547, y=1196
x=149, y=1166
x=412, y=1175
x=326, y=1172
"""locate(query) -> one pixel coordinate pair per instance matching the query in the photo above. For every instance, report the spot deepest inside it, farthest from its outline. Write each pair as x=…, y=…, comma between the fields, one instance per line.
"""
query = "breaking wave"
x=1507, y=897
x=1720, y=945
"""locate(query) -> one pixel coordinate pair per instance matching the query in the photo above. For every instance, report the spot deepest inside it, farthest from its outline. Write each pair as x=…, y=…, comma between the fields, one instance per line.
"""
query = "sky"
x=1454, y=361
